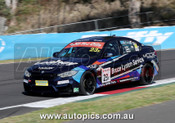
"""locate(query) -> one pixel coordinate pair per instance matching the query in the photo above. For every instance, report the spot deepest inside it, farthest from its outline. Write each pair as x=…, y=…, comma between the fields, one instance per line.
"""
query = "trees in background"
x=133, y=12
x=45, y=13
x=12, y=5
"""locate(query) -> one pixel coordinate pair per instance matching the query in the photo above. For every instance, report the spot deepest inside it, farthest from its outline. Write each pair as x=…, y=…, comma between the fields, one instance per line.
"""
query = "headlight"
x=67, y=74
x=27, y=73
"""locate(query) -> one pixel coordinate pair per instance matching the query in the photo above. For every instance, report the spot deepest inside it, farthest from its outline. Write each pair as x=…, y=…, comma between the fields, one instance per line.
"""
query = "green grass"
x=4, y=11
x=108, y=104
x=21, y=60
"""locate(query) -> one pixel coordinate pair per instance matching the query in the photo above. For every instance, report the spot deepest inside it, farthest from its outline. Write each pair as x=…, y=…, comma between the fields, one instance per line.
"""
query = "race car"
x=86, y=64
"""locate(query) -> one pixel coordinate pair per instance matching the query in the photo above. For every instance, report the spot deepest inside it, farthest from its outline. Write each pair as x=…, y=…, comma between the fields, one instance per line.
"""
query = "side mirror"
x=107, y=55
x=55, y=54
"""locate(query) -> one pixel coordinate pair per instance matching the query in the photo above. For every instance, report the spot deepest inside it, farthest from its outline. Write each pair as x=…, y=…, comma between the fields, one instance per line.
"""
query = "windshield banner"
x=86, y=44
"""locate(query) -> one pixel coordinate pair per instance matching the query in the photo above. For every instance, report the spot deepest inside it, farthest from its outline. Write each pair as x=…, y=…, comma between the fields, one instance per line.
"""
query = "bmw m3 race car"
x=90, y=63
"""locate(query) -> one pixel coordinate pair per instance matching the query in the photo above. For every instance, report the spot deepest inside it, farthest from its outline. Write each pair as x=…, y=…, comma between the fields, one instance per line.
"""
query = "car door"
x=111, y=52
x=128, y=65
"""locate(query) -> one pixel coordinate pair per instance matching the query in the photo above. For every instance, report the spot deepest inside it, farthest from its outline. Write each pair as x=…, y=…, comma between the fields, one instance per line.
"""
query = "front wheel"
x=147, y=74
x=87, y=83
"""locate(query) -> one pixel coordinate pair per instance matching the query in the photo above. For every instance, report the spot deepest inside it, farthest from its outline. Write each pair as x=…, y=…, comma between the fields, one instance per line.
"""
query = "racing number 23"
x=94, y=49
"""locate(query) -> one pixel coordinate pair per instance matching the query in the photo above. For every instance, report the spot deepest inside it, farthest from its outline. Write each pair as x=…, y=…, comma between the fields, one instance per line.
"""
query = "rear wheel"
x=147, y=74
x=87, y=83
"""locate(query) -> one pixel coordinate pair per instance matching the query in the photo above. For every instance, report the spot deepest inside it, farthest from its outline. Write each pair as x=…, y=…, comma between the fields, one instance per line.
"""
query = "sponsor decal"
x=94, y=49
x=149, y=55
x=45, y=68
x=98, y=45
x=136, y=46
x=93, y=66
x=129, y=79
x=2, y=45
x=58, y=62
x=41, y=83
x=62, y=82
x=116, y=70
x=137, y=61
x=107, y=83
x=127, y=65
x=106, y=75
x=114, y=77
x=75, y=90
x=153, y=37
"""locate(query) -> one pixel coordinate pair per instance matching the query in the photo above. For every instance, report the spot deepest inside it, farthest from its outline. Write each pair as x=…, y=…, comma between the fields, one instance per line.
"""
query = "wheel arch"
x=149, y=62
x=94, y=73
x=142, y=79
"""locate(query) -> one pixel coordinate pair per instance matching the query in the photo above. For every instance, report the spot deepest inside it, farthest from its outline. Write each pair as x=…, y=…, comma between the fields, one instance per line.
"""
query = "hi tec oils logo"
x=151, y=37
x=2, y=45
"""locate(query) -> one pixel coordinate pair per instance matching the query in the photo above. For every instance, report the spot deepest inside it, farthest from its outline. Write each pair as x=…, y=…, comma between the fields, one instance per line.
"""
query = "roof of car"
x=99, y=39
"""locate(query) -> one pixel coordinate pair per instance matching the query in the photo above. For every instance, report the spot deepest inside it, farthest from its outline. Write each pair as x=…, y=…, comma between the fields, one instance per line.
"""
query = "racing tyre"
x=147, y=74
x=87, y=83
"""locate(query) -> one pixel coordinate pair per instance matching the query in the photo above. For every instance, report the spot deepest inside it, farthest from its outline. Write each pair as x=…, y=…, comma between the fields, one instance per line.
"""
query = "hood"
x=58, y=65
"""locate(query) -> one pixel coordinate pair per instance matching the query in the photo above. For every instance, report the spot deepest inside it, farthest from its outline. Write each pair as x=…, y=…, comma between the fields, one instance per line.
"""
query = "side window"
x=129, y=46
x=112, y=47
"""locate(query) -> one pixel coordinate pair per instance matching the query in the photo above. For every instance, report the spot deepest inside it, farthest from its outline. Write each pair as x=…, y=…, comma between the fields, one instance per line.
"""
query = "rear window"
x=129, y=46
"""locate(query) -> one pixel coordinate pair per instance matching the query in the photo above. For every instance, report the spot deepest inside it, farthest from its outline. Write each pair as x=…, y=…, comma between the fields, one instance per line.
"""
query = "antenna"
x=112, y=35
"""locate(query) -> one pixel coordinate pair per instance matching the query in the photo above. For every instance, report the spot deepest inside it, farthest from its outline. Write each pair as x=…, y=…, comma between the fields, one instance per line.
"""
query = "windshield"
x=82, y=49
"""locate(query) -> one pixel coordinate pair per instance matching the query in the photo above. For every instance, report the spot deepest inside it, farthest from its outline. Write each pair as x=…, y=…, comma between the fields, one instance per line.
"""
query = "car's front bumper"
x=52, y=87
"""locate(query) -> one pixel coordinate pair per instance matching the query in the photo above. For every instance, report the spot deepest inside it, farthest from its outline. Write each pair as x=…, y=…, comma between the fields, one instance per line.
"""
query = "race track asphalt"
x=11, y=86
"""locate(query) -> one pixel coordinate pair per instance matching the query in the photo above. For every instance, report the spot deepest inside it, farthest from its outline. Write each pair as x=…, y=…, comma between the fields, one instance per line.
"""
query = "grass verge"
x=109, y=104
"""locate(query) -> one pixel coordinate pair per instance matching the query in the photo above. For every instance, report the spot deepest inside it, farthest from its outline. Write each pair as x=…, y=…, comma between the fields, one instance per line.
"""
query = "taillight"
x=155, y=52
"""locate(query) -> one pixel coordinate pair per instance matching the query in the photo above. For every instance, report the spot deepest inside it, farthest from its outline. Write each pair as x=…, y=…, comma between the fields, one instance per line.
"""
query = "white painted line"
x=59, y=101
x=162, y=82
x=20, y=62
x=53, y=102
x=9, y=107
